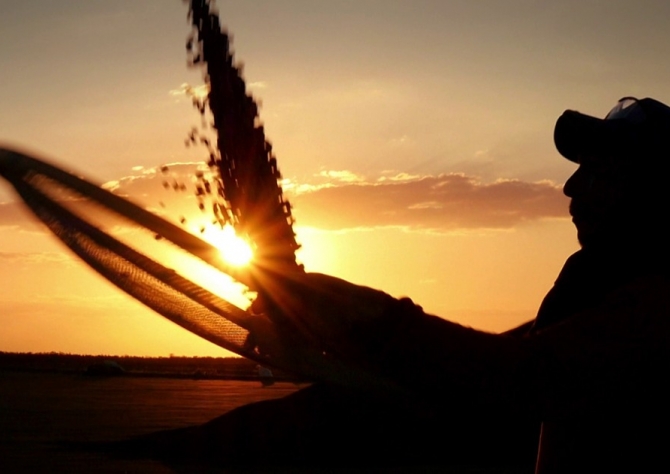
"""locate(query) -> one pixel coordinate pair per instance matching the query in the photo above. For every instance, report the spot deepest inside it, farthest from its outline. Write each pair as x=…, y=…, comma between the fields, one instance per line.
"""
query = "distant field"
x=230, y=368
x=39, y=410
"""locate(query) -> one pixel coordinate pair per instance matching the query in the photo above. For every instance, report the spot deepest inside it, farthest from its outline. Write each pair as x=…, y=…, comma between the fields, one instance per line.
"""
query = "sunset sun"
x=234, y=250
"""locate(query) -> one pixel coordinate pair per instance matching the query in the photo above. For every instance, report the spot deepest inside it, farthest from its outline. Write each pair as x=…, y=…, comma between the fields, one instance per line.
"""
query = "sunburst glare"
x=234, y=250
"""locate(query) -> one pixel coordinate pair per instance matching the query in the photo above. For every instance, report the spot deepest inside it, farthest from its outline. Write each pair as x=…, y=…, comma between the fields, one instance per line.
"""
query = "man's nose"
x=578, y=183
x=569, y=186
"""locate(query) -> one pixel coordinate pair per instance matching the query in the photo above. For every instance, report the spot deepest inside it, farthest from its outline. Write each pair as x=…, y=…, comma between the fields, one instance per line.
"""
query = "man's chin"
x=591, y=234
x=586, y=234
x=584, y=240
x=604, y=238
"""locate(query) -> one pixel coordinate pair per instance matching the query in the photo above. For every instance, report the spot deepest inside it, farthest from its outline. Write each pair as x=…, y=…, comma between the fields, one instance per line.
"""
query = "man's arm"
x=622, y=343
x=435, y=359
x=440, y=360
x=521, y=330
x=424, y=355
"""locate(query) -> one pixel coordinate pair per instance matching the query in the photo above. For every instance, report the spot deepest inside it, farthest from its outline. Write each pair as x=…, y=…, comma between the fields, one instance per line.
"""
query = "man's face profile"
x=596, y=189
x=619, y=193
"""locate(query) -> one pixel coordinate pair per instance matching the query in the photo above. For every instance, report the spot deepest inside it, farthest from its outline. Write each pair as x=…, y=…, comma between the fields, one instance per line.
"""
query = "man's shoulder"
x=633, y=318
x=648, y=292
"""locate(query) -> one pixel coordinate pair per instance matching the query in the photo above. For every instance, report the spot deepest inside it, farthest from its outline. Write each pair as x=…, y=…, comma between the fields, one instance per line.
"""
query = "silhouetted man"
x=590, y=369
x=604, y=328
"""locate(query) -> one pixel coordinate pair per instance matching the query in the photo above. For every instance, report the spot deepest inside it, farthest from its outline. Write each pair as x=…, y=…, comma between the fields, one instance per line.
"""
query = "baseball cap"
x=638, y=126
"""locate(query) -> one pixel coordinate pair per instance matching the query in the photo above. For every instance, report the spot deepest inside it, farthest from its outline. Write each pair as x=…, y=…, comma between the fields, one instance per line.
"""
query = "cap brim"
x=577, y=134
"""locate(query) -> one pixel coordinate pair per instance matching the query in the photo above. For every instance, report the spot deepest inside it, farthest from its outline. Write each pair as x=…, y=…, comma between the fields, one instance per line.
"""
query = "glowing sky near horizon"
x=416, y=139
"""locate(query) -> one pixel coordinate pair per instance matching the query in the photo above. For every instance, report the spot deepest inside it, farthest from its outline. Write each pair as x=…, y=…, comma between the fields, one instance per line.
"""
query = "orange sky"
x=415, y=138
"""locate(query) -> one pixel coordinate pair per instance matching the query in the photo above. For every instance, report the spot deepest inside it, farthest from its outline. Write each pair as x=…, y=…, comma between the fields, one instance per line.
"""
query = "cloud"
x=168, y=190
x=445, y=203
x=400, y=141
x=257, y=85
x=15, y=214
x=37, y=258
x=146, y=181
x=341, y=199
x=344, y=176
x=186, y=90
x=393, y=175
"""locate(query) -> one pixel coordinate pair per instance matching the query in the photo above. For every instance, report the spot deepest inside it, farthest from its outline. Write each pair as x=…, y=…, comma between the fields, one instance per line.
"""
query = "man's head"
x=619, y=190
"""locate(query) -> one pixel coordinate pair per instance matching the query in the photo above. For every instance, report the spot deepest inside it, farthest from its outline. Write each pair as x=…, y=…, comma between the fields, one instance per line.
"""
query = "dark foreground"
x=55, y=422
x=45, y=417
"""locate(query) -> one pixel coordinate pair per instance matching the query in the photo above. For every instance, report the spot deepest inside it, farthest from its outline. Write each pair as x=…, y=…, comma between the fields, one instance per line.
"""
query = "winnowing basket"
x=65, y=202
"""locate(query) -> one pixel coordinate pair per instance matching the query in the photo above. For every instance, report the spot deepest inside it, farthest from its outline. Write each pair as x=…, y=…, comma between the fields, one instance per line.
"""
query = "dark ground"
x=52, y=419
x=45, y=416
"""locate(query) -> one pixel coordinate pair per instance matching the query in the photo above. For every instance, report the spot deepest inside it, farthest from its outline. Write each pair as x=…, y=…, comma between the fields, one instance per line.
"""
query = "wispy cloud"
x=143, y=181
x=341, y=199
x=393, y=175
x=15, y=214
x=257, y=85
x=37, y=258
x=446, y=202
x=343, y=176
x=187, y=90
